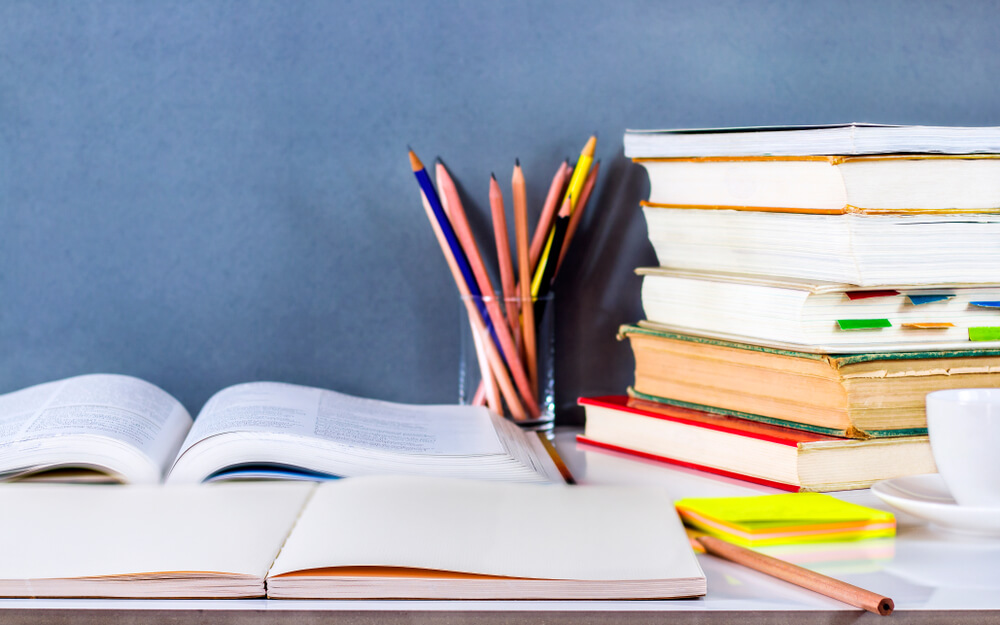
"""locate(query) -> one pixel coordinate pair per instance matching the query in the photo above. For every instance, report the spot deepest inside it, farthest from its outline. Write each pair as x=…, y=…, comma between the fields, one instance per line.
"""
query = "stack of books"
x=814, y=284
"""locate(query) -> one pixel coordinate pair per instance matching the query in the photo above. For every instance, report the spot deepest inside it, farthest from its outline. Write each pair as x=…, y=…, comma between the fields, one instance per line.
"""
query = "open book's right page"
x=552, y=541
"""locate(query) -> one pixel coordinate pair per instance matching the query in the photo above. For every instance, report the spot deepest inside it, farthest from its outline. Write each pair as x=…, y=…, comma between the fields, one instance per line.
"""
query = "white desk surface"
x=933, y=576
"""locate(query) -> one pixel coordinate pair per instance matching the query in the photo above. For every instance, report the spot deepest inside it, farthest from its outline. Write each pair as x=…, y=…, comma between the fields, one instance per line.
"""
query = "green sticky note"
x=863, y=324
x=985, y=334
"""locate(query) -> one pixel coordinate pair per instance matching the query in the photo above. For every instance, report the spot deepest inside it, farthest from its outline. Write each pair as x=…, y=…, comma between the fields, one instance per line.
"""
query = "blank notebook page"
x=67, y=531
x=512, y=530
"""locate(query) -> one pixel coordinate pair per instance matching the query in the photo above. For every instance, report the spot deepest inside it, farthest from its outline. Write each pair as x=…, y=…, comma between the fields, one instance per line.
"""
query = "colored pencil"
x=427, y=187
x=493, y=309
x=834, y=588
x=486, y=392
x=520, y=197
x=572, y=195
x=581, y=206
x=549, y=210
x=452, y=204
x=495, y=362
x=558, y=236
x=498, y=331
x=503, y=254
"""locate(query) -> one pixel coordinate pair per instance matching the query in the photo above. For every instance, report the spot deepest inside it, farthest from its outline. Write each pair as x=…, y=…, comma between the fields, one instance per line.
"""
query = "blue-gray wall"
x=204, y=193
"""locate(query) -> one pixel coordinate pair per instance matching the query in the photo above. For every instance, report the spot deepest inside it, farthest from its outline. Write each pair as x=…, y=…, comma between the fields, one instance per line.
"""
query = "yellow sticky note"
x=785, y=519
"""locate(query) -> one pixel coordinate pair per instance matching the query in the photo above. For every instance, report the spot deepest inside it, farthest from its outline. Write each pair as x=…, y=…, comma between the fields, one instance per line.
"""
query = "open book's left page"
x=60, y=540
x=117, y=425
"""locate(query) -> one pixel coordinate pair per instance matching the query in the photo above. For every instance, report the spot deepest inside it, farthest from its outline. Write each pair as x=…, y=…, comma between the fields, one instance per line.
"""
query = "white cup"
x=964, y=428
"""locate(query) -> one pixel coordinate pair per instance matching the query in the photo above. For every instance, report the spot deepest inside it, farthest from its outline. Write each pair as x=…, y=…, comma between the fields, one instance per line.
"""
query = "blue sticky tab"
x=993, y=304
x=917, y=300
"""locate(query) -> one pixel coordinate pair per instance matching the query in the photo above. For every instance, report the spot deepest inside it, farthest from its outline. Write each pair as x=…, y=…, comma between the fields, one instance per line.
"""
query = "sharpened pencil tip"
x=415, y=162
x=493, y=177
x=517, y=162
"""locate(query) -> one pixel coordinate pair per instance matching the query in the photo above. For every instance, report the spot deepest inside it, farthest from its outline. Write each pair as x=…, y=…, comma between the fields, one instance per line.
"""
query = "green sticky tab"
x=985, y=334
x=863, y=324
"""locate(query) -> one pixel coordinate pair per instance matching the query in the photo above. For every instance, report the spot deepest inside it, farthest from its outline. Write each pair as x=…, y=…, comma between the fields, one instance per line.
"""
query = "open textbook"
x=123, y=429
x=367, y=537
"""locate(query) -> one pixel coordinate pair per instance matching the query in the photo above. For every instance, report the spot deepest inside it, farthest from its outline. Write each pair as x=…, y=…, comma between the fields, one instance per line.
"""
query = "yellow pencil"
x=576, y=183
x=574, y=220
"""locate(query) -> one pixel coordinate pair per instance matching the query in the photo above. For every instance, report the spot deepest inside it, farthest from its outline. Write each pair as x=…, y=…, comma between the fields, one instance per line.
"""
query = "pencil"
x=486, y=392
x=581, y=206
x=493, y=310
x=503, y=253
x=548, y=213
x=556, y=241
x=452, y=204
x=834, y=588
x=572, y=195
x=520, y=195
x=449, y=234
x=494, y=363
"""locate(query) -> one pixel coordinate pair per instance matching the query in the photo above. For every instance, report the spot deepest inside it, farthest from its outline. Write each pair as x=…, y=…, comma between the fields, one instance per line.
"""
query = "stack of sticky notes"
x=787, y=519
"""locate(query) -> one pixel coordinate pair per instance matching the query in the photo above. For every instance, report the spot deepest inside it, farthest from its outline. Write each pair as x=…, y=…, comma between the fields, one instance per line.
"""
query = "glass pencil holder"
x=516, y=351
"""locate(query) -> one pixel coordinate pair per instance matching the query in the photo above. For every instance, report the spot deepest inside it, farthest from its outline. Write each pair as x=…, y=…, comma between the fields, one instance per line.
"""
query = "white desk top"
x=932, y=574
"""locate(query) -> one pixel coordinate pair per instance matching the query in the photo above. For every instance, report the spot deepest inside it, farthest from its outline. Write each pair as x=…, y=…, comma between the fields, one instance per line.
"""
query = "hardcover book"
x=898, y=183
x=762, y=453
x=853, y=395
x=830, y=139
x=817, y=316
x=858, y=249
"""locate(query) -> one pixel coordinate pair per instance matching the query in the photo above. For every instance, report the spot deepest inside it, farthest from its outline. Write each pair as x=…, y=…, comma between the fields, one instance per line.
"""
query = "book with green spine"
x=851, y=395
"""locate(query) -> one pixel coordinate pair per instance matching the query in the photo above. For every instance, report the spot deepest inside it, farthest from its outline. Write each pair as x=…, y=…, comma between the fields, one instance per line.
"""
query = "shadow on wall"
x=599, y=274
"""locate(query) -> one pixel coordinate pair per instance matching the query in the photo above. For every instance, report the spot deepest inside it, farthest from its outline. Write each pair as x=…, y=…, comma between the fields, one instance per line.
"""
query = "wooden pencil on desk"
x=833, y=588
x=520, y=198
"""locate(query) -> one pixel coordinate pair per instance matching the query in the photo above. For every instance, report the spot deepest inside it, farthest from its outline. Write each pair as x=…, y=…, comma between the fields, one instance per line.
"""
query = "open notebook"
x=366, y=537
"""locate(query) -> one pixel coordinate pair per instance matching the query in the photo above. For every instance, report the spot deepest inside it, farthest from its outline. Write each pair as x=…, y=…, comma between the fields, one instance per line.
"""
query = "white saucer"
x=926, y=497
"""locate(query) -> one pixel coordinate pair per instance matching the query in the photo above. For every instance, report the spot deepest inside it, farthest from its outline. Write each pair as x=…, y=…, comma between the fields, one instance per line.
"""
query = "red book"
x=757, y=452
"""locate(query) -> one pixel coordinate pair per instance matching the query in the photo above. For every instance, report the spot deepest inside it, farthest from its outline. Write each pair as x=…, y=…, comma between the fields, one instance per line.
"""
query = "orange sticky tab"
x=928, y=325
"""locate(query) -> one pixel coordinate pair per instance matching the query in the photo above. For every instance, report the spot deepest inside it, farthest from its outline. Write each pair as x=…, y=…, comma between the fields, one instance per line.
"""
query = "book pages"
x=553, y=532
x=66, y=532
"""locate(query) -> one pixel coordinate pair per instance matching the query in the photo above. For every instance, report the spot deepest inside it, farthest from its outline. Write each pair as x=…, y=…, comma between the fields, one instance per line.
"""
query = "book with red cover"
x=757, y=452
